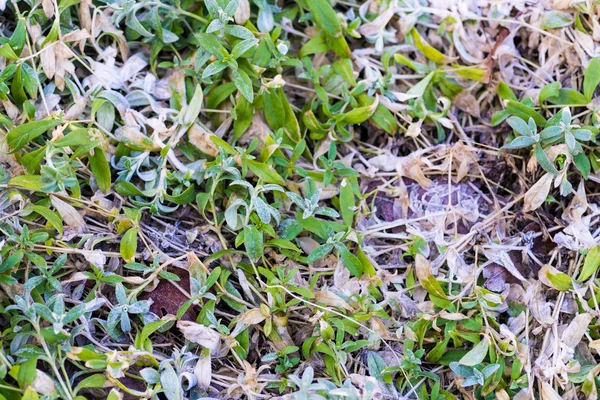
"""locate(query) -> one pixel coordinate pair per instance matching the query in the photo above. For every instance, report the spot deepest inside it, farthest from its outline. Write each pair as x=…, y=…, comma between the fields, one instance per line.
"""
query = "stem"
x=68, y=393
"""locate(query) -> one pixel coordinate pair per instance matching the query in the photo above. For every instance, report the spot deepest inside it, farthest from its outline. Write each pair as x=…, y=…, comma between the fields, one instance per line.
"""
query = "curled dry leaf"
x=203, y=371
x=242, y=14
x=200, y=334
x=200, y=138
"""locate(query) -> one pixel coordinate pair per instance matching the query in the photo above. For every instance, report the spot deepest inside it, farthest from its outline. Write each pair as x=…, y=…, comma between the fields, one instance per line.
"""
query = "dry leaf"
x=43, y=384
x=200, y=334
x=331, y=299
x=200, y=138
x=576, y=329
x=538, y=193
x=48, y=7
x=242, y=14
x=548, y=393
x=68, y=213
x=203, y=371
x=252, y=317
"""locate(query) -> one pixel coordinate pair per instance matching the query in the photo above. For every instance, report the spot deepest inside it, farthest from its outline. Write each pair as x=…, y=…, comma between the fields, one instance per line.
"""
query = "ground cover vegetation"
x=312, y=199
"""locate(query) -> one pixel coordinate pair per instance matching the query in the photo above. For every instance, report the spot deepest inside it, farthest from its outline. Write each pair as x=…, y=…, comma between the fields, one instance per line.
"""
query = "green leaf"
x=339, y=46
x=558, y=280
x=544, y=161
x=325, y=17
x=77, y=137
x=211, y=44
x=283, y=244
x=219, y=94
x=100, y=168
x=477, y=354
x=126, y=188
x=30, y=182
x=550, y=90
x=17, y=40
x=346, y=203
x=222, y=144
x=474, y=73
x=321, y=228
x=33, y=159
x=265, y=171
x=54, y=219
x=318, y=44
x=241, y=47
x=214, y=68
x=505, y=92
x=426, y=278
x=273, y=110
x=376, y=365
x=7, y=52
x=417, y=90
x=591, y=78
x=244, y=113
x=568, y=97
x=582, y=162
x=360, y=114
x=499, y=117
x=519, y=126
x=290, y=125
x=186, y=197
x=92, y=381
x=244, y=84
x=25, y=133
x=590, y=265
x=17, y=89
x=149, y=329
x=128, y=244
x=134, y=24
x=319, y=252
x=524, y=112
x=170, y=383
x=253, y=242
x=30, y=80
x=520, y=143
x=382, y=117
x=438, y=351
x=351, y=261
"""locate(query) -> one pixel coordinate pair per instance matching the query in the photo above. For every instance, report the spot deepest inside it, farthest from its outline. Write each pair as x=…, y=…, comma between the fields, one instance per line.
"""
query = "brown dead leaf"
x=167, y=299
